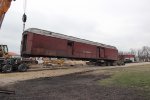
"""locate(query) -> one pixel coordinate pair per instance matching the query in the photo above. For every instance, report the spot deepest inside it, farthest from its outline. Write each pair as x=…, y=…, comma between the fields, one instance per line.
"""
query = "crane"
x=4, y=6
x=6, y=63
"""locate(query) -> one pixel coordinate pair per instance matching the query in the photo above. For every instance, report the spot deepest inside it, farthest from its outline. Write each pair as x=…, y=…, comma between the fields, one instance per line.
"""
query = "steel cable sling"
x=24, y=17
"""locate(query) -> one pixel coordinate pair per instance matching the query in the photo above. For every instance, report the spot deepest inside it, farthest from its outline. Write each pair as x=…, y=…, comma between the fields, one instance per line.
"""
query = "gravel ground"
x=73, y=83
x=38, y=71
x=77, y=86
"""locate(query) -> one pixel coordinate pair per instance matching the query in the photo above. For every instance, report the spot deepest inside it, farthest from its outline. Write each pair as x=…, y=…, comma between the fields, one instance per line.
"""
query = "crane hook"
x=24, y=19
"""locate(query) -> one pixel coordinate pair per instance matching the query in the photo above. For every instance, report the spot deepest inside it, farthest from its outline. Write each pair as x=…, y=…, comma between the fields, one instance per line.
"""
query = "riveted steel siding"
x=111, y=54
x=48, y=46
x=102, y=52
x=41, y=45
x=83, y=50
x=28, y=43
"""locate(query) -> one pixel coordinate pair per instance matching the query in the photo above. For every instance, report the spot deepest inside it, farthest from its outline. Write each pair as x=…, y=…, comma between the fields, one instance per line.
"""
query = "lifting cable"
x=24, y=17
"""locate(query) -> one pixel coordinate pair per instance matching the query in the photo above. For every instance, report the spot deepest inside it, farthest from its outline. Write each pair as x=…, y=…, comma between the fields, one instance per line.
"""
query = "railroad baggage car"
x=42, y=43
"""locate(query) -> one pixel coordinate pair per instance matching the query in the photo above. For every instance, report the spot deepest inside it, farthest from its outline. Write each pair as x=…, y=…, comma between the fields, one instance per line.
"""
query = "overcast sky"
x=121, y=23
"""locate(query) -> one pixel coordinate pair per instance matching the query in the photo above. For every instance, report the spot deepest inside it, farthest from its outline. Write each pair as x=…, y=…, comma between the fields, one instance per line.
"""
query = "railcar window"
x=50, y=33
x=70, y=43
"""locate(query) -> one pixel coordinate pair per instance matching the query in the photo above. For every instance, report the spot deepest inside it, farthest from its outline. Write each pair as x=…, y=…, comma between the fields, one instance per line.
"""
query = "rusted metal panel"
x=84, y=50
x=111, y=54
x=48, y=46
x=102, y=52
x=29, y=42
x=97, y=53
x=52, y=46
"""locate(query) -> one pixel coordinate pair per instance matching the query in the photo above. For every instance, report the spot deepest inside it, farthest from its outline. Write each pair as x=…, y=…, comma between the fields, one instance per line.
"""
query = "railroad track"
x=7, y=92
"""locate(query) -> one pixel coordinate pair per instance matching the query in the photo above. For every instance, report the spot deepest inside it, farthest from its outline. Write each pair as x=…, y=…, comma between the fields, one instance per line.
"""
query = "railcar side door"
x=70, y=45
x=98, y=52
x=102, y=52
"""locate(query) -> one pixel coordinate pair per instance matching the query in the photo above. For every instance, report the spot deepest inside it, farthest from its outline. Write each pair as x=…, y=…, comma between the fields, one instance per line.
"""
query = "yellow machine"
x=4, y=6
x=7, y=63
x=4, y=51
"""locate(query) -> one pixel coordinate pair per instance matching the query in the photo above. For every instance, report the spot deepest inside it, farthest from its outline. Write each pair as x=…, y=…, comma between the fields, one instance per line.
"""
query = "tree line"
x=142, y=54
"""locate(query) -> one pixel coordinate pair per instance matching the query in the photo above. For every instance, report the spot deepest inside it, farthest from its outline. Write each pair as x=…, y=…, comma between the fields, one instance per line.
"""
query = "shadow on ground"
x=78, y=86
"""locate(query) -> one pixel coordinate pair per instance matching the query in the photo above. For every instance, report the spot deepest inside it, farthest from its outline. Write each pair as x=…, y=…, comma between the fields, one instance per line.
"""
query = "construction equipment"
x=3, y=50
x=7, y=63
x=4, y=6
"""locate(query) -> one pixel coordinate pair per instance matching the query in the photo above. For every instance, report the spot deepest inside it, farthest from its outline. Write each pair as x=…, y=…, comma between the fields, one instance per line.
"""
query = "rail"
x=7, y=92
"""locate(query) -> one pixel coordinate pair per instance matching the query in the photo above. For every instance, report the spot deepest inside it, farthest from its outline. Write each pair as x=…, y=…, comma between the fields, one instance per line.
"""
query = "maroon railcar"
x=42, y=43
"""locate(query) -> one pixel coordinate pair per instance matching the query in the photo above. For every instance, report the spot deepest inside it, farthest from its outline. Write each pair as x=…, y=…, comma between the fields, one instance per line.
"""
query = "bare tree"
x=133, y=52
x=144, y=53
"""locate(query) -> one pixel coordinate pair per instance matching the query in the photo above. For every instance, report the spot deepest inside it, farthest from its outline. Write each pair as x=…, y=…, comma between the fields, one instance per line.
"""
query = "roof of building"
x=13, y=54
x=62, y=36
x=128, y=55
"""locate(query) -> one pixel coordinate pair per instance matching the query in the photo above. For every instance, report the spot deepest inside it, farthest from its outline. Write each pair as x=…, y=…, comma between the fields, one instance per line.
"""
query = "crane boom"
x=4, y=6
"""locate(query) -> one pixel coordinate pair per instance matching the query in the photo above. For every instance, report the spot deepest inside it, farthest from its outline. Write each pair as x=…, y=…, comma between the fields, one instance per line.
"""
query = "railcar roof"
x=62, y=36
x=3, y=44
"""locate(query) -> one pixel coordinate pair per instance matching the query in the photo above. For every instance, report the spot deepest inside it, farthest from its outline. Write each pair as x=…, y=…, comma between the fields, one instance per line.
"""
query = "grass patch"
x=138, y=77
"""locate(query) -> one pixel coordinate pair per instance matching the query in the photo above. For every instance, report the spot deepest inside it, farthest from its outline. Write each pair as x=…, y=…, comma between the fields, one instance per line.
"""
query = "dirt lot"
x=74, y=83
